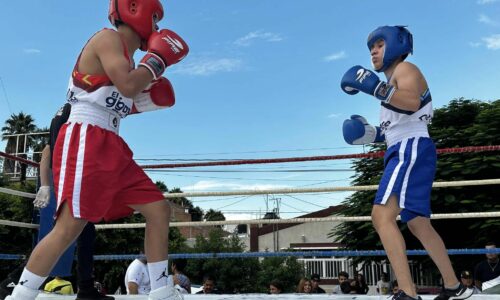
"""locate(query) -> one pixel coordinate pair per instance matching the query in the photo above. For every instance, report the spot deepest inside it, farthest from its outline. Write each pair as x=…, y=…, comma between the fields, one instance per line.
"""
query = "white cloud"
x=333, y=116
x=486, y=1
x=492, y=42
x=487, y=20
x=336, y=56
x=205, y=67
x=31, y=51
x=206, y=185
x=258, y=35
x=474, y=44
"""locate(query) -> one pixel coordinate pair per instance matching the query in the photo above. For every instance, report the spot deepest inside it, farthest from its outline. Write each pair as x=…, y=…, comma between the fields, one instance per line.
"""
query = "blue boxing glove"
x=358, y=79
x=357, y=131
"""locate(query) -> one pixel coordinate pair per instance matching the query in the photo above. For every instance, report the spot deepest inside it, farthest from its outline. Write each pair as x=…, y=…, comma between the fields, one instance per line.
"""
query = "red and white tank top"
x=95, y=100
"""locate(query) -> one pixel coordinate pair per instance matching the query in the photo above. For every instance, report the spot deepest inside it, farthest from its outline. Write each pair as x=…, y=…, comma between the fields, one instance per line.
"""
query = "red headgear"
x=141, y=15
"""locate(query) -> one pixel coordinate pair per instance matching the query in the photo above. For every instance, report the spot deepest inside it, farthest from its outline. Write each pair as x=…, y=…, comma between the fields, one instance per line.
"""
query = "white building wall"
x=303, y=233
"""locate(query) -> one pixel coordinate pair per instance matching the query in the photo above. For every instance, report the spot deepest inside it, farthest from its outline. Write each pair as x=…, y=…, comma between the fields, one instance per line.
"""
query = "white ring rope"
x=17, y=193
x=357, y=188
x=494, y=214
x=19, y=224
x=280, y=191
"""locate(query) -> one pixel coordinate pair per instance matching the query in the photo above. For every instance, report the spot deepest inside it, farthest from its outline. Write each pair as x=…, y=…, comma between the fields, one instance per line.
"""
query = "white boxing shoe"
x=21, y=292
x=168, y=292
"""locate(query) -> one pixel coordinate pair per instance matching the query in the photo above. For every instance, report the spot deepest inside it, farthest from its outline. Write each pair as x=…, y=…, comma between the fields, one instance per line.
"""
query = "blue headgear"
x=398, y=41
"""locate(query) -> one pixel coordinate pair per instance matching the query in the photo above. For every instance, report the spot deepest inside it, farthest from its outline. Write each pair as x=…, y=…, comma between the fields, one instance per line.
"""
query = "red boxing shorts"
x=94, y=173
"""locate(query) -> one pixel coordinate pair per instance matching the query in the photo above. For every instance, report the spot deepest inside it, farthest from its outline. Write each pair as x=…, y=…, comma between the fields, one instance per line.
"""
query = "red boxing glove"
x=159, y=95
x=165, y=48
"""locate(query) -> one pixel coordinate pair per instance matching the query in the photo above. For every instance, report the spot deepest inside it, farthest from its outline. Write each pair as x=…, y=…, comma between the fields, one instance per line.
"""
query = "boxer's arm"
x=133, y=288
x=45, y=167
x=109, y=50
x=410, y=85
x=43, y=195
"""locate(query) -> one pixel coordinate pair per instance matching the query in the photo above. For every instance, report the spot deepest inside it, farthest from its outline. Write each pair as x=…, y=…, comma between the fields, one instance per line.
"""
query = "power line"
x=5, y=95
x=253, y=152
x=301, y=200
x=240, y=178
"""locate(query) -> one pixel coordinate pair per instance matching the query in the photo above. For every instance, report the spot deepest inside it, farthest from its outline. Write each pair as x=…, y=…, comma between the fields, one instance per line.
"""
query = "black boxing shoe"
x=461, y=292
x=401, y=295
x=92, y=294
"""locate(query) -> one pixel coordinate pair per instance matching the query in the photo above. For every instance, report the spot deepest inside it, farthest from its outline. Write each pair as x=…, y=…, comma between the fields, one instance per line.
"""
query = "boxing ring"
x=330, y=219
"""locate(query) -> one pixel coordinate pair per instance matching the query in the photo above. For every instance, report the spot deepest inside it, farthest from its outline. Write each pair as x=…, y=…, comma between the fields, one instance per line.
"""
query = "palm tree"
x=17, y=124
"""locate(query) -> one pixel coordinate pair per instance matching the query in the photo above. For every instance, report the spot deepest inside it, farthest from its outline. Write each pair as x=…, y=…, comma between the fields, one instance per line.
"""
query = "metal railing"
x=329, y=268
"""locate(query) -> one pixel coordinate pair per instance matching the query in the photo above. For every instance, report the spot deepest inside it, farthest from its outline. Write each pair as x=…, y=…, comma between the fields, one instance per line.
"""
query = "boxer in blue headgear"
x=398, y=44
x=410, y=159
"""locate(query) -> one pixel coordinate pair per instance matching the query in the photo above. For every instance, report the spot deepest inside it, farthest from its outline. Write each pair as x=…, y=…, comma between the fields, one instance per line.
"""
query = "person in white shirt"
x=384, y=285
x=137, y=278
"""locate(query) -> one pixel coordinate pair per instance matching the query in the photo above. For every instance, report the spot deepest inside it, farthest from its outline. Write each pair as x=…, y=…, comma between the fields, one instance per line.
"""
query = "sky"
x=262, y=80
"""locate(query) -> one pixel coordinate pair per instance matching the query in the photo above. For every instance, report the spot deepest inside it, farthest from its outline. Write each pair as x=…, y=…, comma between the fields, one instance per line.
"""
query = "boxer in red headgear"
x=95, y=177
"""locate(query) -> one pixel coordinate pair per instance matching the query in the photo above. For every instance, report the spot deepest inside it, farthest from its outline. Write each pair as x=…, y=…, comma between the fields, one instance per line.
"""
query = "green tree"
x=461, y=123
x=195, y=212
x=162, y=186
x=287, y=270
x=231, y=274
x=15, y=240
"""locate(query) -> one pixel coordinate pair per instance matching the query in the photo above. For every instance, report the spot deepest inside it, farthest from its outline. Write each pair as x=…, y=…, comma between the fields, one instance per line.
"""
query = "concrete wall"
x=303, y=233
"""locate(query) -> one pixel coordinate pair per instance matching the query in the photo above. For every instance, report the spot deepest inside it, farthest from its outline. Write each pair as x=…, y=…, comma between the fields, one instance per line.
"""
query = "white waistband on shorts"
x=406, y=130
x=84, y=112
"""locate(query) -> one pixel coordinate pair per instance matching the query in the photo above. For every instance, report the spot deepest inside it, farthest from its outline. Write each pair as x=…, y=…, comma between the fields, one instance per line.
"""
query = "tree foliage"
x=231, y=274
x=461, y=123
x=15, y=240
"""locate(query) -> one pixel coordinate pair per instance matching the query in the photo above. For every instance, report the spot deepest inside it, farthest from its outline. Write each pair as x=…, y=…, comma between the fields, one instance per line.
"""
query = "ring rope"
x=495, y=214
x=20, y=159
x=282, y=160
x=355, y=188
x=377, y=154
x=17, y=193
x=332, y=253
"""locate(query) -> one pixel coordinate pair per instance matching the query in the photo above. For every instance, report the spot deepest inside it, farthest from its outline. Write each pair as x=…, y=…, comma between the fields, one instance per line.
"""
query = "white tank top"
x=398, y=124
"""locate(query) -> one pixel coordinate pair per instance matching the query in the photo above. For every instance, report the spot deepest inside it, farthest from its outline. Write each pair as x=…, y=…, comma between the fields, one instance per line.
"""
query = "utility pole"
x=275, y=214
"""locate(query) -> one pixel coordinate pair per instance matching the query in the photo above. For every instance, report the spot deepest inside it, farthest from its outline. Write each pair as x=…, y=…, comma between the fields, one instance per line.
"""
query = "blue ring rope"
x=337, y=253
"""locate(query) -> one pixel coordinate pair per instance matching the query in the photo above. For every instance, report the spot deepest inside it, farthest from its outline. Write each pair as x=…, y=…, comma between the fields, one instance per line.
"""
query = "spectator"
x=208, y=286
x=305, y=286
x=275, y=287
x=358, y=285
x=346, y=288
x=182, y=282
x=316, y=289
x=384, y=285
x=395, y=287
x=137, y=278
x=342, y=277
x=59, y=286
x=487, y=272
x=466, y=279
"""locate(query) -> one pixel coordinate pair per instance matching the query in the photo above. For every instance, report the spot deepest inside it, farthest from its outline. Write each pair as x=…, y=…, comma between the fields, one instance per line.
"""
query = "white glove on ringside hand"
x=42, y=197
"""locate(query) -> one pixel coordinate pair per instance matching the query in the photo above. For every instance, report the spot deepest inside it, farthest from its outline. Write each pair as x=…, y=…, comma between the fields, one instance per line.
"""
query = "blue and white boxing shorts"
x=409, y=171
